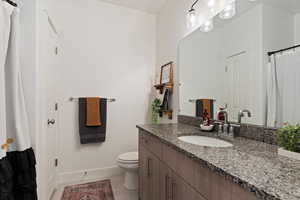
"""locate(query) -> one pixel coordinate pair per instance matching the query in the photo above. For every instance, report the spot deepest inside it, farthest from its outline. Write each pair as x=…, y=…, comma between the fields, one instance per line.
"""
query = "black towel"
x=90, y=134
x=200, y=108
x=18, y=176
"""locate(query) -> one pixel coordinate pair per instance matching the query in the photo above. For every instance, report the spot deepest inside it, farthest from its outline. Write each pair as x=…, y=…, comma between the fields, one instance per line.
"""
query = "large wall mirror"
x=230, y=64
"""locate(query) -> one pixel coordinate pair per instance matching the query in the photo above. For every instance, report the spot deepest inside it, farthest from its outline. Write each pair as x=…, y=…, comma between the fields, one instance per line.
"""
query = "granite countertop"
x=254, y=165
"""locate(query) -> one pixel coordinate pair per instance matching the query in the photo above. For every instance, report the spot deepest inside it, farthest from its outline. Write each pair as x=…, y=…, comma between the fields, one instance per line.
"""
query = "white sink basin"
x=205, y=141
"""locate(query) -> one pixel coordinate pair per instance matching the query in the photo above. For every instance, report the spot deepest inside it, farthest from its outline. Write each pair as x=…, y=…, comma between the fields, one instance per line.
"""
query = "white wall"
x=171, y=29
x=203, y=57
x=245, y=33
x=278, y=33
x=297, y=29
x=200, y=69
x=107, y=51
x=278, y=27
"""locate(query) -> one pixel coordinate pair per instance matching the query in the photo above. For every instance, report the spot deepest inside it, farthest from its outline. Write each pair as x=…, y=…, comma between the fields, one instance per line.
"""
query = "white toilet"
x=130, y=163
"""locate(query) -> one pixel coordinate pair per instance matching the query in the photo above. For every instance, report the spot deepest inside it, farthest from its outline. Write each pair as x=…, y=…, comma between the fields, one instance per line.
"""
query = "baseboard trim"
x=89, y=174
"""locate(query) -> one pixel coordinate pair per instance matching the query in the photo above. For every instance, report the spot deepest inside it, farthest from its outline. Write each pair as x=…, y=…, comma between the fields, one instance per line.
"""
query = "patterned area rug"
x=100, y=190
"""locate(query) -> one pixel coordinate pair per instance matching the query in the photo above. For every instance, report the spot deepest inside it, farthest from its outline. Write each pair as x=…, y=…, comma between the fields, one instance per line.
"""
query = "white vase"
x=289, y=154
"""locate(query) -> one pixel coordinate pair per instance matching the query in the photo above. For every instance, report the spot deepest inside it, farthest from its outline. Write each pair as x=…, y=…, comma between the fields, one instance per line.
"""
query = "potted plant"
x=289, y=140
x=156, y=109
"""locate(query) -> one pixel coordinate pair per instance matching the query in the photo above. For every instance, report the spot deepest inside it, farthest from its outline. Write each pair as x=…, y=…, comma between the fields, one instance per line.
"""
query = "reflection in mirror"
x=231, y=67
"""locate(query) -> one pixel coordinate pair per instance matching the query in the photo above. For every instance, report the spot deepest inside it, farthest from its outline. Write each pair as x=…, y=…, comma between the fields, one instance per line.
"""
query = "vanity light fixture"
x=192, y=18
x=229, y=11
x=211, y=5
x=207, y=25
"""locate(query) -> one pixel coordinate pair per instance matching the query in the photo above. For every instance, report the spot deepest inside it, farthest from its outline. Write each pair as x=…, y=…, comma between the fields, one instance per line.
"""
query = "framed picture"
x=166, y=74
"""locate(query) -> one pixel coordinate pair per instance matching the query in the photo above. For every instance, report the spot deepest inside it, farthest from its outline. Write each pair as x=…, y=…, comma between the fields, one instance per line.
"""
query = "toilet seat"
x=130, y=157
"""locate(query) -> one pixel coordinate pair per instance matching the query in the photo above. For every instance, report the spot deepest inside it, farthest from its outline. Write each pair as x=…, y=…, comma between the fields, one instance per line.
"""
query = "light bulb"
x=211, y=3
x=191, y=19
x=229, y=11
x=207, y=26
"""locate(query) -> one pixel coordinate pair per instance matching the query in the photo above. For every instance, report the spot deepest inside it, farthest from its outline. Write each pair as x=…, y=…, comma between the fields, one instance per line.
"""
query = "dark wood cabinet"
x=167, y=174
x=153, y=176
x=165, y=181
x=143, y=192
x=148, y=175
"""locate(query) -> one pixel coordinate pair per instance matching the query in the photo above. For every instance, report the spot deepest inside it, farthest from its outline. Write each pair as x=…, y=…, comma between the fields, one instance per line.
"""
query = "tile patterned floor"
x=120, y=192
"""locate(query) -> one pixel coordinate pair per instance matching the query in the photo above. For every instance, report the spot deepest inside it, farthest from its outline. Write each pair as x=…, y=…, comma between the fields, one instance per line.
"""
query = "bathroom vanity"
x=225, y=71
x=171, y=169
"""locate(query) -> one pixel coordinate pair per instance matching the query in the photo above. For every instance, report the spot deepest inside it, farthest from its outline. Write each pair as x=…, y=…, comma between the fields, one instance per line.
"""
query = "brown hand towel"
x=93, y=111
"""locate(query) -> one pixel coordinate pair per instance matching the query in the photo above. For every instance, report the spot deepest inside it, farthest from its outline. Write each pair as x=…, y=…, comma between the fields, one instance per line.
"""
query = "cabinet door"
x=181, y=190
x=148, y=175
x=203, y=181
x=165, y=175
x=240, y=193
x=143, y=176
x=220, y=188
x=153, y=176
x=178, y=188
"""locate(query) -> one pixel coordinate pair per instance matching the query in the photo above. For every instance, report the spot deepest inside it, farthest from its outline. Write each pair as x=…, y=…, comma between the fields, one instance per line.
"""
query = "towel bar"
x=108, y=99
x=194, y=100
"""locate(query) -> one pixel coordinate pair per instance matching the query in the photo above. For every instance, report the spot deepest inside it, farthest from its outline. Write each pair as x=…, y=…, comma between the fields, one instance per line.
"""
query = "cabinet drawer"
x=186, y=168
x=170, y=157
x=151, y=143
x=182, y=191
x=203, y=181
x=180, y=163
x=240, y=193
x=220, y=188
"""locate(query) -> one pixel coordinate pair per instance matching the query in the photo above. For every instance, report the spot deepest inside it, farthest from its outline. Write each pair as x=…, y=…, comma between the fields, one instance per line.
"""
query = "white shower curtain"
x=272, y=93
x=284, y=89
x=5, y=12
x=17, y=159
x=17, y=118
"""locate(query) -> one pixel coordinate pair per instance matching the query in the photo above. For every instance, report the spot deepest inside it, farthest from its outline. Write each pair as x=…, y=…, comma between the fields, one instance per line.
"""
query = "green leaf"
x=289, y=137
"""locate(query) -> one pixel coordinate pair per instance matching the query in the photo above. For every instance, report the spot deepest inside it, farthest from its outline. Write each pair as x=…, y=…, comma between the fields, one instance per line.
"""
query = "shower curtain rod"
x=282, y=50
x=108, y=99
x=11, y=3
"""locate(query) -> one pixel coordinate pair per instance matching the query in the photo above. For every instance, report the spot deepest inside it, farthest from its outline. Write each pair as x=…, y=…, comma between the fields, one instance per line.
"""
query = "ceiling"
x=150, y=6
x=291, y=5
x=154, y=6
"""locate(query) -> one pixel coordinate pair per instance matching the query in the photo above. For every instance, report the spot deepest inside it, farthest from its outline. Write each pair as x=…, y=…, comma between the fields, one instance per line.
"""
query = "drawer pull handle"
x=167, y=195
x=173, y=190
x=149, y=167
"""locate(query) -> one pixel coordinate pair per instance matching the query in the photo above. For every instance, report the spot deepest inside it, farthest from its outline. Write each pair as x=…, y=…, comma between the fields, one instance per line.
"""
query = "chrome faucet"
x=225, y=114
x=241, y=114
x=224, y=128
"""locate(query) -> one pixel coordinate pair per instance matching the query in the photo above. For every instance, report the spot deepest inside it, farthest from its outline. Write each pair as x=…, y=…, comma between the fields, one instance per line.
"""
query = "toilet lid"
x=131, y=156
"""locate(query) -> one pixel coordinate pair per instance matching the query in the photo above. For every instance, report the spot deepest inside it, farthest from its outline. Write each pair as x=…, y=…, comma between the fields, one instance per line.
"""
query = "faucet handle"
x=219, y=122
x=226, y=128
x=220, y=126
x=235, y=125
x=234, y=129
